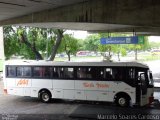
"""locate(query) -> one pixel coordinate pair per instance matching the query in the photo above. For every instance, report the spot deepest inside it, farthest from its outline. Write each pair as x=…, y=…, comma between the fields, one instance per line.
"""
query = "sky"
x=78, y=34
x=154, y=38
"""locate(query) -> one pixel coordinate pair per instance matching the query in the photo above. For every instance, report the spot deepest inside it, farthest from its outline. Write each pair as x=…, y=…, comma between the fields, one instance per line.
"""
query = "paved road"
x=26, y=107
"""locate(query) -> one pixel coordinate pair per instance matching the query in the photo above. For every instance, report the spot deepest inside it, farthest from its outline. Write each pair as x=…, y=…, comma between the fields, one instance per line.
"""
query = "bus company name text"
x=97, y=85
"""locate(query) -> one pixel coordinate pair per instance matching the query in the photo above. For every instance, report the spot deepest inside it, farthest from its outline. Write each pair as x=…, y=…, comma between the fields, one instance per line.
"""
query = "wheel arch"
x=44, y=89
x=122, y=94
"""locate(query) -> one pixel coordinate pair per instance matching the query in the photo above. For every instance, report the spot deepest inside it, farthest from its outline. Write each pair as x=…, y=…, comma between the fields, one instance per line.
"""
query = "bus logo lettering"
x=22, y=82
x=99, y=85
x=88, y=85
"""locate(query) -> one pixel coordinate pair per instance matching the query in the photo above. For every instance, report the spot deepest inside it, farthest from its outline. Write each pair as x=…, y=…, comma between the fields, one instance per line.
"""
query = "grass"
x=141, y=58
x=149, y=58
x=83, y=58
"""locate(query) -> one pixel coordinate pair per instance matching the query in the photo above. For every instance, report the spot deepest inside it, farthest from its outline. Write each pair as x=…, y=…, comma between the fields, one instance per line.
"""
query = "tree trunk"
x=32, y=47
x=118, y=56
x=55, y=47
x=68, y=54
x=136, y=54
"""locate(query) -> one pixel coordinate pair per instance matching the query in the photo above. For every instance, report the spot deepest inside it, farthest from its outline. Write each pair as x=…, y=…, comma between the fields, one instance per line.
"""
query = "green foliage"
x=155, y=45
x=91, y=42
x=123, y=52
x=41, y=39
x=68, y=44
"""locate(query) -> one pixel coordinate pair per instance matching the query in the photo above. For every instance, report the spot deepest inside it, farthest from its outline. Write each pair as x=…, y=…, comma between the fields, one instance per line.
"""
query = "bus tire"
x=122, y=101
x=45, y=96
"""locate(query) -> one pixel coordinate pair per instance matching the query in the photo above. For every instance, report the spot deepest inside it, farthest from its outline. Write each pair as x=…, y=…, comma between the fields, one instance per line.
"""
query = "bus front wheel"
x=122, y=101
x=45, y=96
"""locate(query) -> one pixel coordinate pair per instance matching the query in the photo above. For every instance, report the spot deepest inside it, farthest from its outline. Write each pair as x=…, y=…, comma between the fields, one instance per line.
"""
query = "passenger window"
x=131, y=73
x=37, y=72
x=86, y=73
x=119, y=74
x=42, y=72
x=26, y=71
x=68, y=73
x=47, y=72
x=65, y=72
x=23, y=71
x=108, y=74
x=19, y=71
x=11, y=71
x=81, y=72
x=55, y=73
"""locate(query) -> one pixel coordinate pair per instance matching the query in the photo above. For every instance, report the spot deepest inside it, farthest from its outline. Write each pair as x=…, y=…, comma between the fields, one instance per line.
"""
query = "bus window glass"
x=27, y=71
x=94, y=73
x=68, y=73
x=131, y=73
x=47, y=72
x=108, y=74
x=130, y=76
x=97, y=73
x=60, y=72
x=23, y=71
x=55, y=72
x=19, y=71
x=37, y=71
x=81, y=72
x=84, y=72
x=119, y=74
x=11, y=71
x=42, y=72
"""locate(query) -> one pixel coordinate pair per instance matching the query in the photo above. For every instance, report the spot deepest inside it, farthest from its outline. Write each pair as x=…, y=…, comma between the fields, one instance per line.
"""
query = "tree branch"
x=33, y=48
x=58, y=42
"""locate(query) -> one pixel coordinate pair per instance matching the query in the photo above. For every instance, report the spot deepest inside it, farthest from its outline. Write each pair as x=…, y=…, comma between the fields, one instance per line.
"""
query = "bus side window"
x=108, y=74
x=47, y=72
x=55, y=72
x=19, y=71
x=130, y=76
x=27, y=71
x=119, y=74
x=11, y=71
x=37, y=72
x=81, y=72
x=68, y=72
x=89, y=73
x=23, y=71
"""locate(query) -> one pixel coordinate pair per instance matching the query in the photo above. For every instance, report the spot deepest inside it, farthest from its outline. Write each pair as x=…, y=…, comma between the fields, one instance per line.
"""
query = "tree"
x=11, y=45
x=137, y=47
x=91, y=42
x=59, y=37
x=31, y=43
x=24, y=39
x=69, y=45
x=115, y=48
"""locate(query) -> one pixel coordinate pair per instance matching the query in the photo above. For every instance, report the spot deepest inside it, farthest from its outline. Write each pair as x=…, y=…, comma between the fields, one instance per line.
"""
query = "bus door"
x=141, y=88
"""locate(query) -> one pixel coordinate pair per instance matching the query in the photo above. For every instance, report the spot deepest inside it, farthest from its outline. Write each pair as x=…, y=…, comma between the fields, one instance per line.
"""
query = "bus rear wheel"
x=122, y=101
x=45, y=97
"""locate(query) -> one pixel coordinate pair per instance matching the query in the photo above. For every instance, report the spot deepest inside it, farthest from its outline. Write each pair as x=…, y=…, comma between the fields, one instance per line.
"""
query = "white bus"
x=123, y=82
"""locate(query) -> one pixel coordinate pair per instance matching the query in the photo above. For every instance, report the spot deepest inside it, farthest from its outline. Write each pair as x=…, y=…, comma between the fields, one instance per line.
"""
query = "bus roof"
x=51, y=63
